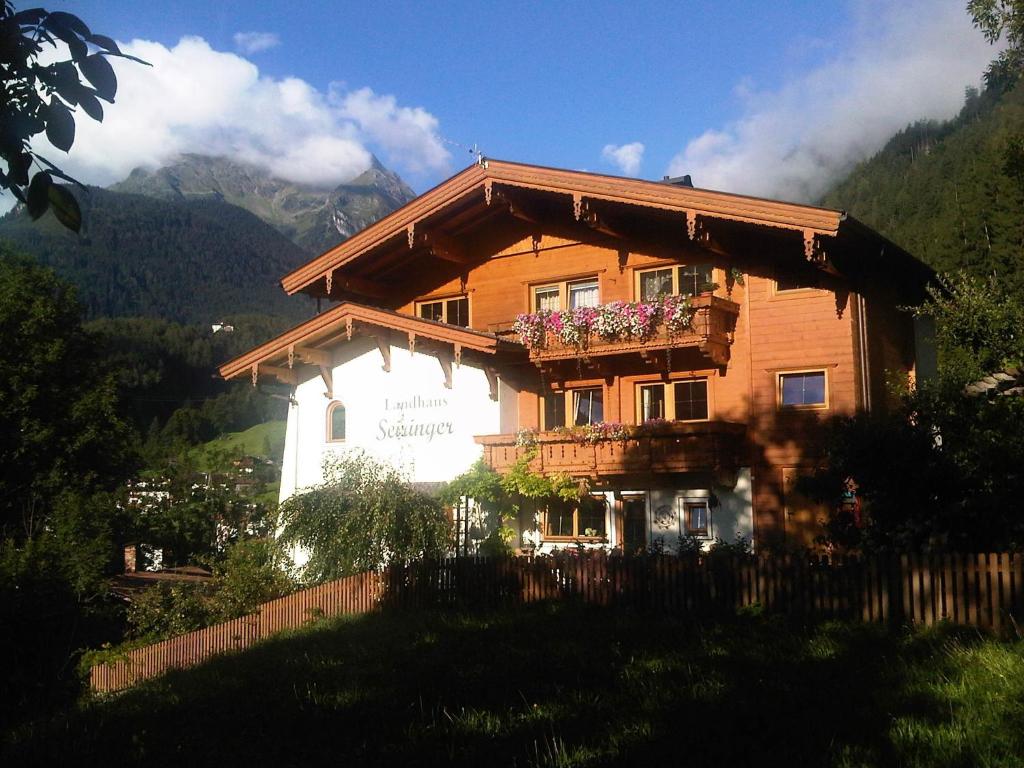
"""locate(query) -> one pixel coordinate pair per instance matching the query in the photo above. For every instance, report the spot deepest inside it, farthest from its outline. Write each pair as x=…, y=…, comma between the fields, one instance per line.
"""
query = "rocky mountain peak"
x=315, y=218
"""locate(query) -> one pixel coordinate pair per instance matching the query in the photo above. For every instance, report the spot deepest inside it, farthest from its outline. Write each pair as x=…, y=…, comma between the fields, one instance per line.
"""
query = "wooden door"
x=634, y=524
x=805, y=518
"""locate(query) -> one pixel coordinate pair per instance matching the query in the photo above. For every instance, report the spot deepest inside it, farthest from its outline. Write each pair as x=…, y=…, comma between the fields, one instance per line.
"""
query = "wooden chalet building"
x=791, y=318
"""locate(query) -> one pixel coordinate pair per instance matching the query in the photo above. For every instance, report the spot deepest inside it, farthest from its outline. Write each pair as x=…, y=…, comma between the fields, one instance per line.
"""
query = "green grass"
x=251, y=442
x=565, y=686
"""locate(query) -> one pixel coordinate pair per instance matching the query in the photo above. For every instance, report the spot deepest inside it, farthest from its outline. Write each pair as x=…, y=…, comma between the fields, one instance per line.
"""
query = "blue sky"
x=766, y=98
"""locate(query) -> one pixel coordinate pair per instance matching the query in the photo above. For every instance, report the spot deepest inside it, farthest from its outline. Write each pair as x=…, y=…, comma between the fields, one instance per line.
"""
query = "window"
x=587, y=406
x=686, y=280
x=806, y=389
x=795, y=280
x=652, y=402
x=569, y=294
x=587, y=519
x=696, y=518
x=675, y=401
x=335, y=422
x=554, y=410
x=583, y=406
x=454, y=311
x=691, y=400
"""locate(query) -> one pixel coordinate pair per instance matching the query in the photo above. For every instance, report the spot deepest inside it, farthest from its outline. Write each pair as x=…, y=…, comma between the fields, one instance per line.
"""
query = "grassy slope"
x=565, y=686
x=251, y=442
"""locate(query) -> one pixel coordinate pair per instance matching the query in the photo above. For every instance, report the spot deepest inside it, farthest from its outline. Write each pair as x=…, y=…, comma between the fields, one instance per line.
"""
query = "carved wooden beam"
x=492, y=382
x=385, y=353
x=361, y=286
x=412, y=343
x=286, y=375
x=328, y=377
x=593, y=220
x=446, y=368
x=444, y=247
x=691, y=224
x=517, y=207
x=314, y=357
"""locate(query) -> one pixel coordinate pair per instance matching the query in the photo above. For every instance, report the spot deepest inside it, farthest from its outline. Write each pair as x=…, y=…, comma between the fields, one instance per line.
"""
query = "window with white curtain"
x=583, y=293
x=569, y=294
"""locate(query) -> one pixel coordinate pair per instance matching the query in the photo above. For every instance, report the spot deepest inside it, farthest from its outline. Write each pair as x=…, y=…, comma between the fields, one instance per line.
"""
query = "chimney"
x=678, y=181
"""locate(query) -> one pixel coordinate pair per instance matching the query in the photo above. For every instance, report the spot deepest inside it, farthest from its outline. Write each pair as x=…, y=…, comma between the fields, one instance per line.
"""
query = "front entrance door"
x=634, y=524
x=804, y=518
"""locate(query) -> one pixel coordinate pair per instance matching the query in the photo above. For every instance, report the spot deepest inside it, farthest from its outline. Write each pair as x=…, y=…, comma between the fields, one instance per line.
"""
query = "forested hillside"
x=951, y=193
x=193, y=260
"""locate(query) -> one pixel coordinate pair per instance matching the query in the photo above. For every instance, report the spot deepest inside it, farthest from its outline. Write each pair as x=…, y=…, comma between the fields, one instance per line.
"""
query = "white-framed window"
x=454, y=310
x=682, y=280
x=336, y=422
x=567, y=294
x=574, y=407
x=685, y=400
x=803, y=389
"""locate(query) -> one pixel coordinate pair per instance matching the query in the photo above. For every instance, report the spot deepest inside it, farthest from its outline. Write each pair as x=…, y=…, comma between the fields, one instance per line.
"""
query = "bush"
x=366, y=515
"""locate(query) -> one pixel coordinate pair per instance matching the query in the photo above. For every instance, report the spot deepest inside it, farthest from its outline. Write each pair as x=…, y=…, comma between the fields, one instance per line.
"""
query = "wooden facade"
x=798, y=294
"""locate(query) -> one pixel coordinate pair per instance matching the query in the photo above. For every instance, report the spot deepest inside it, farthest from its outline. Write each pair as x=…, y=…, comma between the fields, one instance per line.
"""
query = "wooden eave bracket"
x=492, y=382
x=312, y=356
x=360, y=286
x=446, y=368
x=444, y=247
x=691, y=224
x=328, y=377
x=286, y=375
x=385, y=353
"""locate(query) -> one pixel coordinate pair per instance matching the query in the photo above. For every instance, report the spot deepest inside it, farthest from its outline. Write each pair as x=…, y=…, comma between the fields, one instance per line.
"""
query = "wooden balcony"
x=681, y=447
x=711, y=331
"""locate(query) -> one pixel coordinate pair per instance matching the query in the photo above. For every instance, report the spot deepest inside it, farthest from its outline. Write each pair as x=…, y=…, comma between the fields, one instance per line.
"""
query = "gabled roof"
x=311, y=341
x=480, y=182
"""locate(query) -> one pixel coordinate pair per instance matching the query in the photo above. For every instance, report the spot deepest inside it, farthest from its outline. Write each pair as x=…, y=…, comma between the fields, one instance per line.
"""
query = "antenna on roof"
x=475, y=151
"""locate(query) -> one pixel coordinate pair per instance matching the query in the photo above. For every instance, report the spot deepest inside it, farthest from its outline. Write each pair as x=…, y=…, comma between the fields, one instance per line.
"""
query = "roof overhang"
x=313, y=343
x=482, y=185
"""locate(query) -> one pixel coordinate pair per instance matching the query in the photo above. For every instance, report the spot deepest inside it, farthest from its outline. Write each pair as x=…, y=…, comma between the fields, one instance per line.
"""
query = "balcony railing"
x=679, y=447
x=710, y=331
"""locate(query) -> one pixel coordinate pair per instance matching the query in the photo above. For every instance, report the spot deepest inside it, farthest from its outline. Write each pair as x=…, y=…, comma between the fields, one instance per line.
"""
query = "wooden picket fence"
x=985, y=591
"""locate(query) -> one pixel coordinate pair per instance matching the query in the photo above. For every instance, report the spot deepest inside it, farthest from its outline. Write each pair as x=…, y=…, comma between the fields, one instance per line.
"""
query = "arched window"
x=335, y=422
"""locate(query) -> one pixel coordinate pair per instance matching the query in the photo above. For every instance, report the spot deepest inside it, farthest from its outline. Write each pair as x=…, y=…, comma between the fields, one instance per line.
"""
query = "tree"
x=979, y=326
x=941, y=469
x=365, y=515
x=1001, y=19
x=37, y=98
x=58, y=411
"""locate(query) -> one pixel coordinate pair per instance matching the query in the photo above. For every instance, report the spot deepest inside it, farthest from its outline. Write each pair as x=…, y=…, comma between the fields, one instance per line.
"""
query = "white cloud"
x=254, y=42
x=626, y=158
x=405, y=131
x=902, y=62
x=197, y=99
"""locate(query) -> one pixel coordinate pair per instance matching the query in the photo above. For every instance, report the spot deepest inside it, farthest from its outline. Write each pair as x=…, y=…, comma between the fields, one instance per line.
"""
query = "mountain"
x=315, y=218
x=202, y=238
x=187, y=260
x=951, y=193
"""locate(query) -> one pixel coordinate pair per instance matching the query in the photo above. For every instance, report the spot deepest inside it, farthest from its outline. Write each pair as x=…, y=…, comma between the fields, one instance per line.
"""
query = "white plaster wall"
x=735, y=512
x=382, y=408
x=733, y=516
